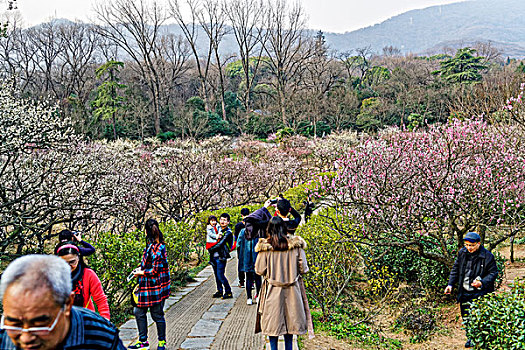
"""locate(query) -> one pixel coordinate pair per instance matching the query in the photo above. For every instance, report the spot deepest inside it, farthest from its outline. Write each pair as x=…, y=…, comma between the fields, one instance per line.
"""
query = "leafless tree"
x=391, y=51
x=135, y=25
x=78, y=58
x=212, y=19
x=357, y=64
x=49, y=46
x=286, y=47
x=173, y=64
x=487, y=50
x=190, y=29
x=250, y=36
x=321, y=75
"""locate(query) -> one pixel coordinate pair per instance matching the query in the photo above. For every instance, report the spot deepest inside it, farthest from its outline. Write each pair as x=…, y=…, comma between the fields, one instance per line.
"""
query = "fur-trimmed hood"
x=293, y=242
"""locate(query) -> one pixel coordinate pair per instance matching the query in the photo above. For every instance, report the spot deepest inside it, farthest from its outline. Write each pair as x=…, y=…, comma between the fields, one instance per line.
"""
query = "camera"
x=274, y=201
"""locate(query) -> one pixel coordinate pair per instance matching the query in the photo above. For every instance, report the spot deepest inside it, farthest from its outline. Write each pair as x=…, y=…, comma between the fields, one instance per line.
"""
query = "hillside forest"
x=131, y=76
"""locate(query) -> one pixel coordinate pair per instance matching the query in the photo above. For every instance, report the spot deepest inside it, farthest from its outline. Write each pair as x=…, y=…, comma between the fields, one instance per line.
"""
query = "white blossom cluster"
x=50, y=178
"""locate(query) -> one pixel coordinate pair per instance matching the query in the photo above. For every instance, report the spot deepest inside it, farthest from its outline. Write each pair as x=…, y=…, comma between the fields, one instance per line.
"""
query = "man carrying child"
x=219, y=255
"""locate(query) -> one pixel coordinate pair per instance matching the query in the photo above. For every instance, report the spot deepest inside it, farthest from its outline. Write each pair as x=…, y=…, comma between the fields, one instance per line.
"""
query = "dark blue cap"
x=472, y=237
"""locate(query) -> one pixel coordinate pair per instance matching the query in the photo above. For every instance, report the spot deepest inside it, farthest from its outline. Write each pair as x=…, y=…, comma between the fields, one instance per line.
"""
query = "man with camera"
x=283, y=210
x=475, y=271
x=255, y=228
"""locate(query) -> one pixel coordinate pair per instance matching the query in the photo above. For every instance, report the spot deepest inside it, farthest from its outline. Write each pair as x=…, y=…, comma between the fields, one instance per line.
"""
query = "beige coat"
x=283, y=306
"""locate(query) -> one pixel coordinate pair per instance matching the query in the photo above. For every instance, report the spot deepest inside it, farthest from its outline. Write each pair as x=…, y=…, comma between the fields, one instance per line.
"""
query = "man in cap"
x=35, y=291
x=475, y=271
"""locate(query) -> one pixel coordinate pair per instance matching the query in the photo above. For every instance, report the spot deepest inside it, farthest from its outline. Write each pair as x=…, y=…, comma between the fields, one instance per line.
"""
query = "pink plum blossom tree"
x=417, y=190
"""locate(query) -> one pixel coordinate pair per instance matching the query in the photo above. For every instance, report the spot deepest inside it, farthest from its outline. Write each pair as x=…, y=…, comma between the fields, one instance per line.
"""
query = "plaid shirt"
x=154, y=286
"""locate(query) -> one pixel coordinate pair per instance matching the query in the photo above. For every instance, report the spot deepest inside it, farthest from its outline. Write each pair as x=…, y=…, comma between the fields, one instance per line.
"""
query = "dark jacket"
x=483, y=265
x=88, y=330
x=291, y=225
x=238, y=227
x=257, y=222
x=224, y=246
x=241, y=244
x=85, y=248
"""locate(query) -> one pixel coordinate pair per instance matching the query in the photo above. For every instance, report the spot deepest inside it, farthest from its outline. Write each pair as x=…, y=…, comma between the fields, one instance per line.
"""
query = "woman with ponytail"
x=283, y=307
x=154, y=286
x=86, y=285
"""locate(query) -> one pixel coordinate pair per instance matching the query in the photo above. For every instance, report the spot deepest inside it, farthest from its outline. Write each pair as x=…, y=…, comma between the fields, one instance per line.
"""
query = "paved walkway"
x=195, y=320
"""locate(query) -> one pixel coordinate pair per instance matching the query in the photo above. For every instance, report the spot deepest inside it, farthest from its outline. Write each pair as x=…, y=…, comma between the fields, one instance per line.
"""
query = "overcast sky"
x=326, y=15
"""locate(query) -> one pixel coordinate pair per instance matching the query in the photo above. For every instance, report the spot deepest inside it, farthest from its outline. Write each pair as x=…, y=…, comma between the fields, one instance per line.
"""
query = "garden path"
x=194, y=320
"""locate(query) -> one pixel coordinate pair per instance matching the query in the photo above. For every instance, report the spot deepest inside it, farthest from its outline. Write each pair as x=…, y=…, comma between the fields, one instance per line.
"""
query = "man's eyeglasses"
x=31, y=330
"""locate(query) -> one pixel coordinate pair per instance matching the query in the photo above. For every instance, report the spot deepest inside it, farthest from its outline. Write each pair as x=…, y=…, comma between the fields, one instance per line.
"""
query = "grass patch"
x=343, y=327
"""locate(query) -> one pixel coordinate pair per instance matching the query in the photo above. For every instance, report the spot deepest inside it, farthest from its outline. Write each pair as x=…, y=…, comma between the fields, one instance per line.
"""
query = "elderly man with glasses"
x=35, y=291
x=474, y=271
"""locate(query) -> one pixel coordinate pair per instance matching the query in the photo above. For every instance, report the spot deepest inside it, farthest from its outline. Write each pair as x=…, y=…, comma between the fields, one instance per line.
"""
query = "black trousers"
x=465, y=310
x=465, y=300
x=241, y=277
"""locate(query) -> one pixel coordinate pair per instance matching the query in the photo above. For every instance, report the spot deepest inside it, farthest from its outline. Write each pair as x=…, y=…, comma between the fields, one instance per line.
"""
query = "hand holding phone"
x=131, y=276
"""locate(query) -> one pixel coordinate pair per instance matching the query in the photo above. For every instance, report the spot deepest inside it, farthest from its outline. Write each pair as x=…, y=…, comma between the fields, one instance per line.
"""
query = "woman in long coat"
x=283, y=307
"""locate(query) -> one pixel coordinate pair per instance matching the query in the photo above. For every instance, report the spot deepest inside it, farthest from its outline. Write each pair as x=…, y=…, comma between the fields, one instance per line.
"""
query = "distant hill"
x=502, y=22
x=425, y=31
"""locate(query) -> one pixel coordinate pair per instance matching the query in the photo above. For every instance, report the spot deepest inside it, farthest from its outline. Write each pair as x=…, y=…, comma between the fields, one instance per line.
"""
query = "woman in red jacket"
x=86, y=285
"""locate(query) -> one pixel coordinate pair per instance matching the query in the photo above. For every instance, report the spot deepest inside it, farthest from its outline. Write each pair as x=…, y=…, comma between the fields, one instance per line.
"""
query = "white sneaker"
x=257, y=298
x=249, y=302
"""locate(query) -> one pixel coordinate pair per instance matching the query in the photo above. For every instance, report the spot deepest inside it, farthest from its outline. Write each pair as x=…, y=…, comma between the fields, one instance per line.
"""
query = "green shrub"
x=297, y=195
x=408, y=266
x=282, y=133
x=300, y=193
x=331, y=259
x=178, y=237
x=431, y=275
x=342, y=326
x=500, y=263
x=168, y=135
x=307, y=128
x=117, y=255
x=497, y=321
x=259, y=124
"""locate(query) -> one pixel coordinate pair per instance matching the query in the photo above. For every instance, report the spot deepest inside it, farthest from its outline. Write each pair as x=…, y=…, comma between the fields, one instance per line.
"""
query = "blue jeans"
x=157, y=314
x=288, y=342
x=219, y=268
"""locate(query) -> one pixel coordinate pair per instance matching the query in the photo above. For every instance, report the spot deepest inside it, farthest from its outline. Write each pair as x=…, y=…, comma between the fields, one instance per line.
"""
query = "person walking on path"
x=85, y=282
x=475, y=271
x=239, y=237
x=154, y=287
x=283, y=308
x=219, y=255
x=255, y=228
